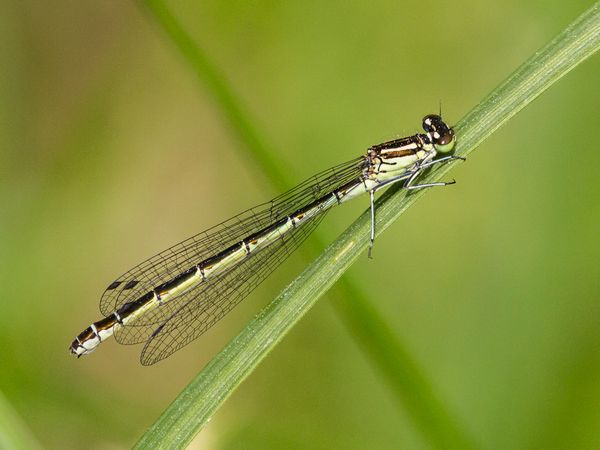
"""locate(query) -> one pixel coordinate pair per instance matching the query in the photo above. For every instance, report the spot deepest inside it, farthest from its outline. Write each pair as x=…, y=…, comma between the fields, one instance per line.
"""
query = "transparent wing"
x=175, y=260
x=201, y=308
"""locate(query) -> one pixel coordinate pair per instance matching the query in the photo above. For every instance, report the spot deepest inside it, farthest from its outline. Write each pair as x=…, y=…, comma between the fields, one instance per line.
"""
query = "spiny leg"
x=444, y=159
x=409, y=186
x=427, y=185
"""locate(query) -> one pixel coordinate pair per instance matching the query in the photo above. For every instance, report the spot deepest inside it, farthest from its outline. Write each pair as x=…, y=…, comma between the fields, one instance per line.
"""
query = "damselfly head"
x=441, y=135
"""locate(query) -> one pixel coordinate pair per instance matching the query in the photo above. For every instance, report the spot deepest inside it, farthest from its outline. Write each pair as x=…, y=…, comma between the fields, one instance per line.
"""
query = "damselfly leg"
x=412, y=176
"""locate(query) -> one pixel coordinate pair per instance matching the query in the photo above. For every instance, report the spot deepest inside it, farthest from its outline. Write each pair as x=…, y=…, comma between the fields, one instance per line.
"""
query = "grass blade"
x=204, y=395
x=13, y=432
x=388, y=353
x=211, y=78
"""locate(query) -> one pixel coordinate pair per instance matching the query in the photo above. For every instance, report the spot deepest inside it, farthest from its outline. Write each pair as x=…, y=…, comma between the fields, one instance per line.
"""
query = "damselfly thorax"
x=172, y=298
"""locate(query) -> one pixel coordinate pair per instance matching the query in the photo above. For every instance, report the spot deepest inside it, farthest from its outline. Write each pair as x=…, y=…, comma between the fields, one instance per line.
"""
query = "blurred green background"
x=111, y=150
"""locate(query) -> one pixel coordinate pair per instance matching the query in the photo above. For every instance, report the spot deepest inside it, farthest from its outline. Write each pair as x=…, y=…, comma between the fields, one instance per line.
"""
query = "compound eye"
x=440, y=134
x=444, y=143
x=445, y=138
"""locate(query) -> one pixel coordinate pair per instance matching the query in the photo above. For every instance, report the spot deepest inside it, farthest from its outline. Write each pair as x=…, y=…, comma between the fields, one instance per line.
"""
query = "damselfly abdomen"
x=172, y=298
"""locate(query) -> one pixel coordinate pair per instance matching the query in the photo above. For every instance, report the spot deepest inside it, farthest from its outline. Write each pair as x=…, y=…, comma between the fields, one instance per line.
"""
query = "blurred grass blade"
x=406, y=379
x=431, y=417
x=14, y=434
x=207, y=392
x=211, y=78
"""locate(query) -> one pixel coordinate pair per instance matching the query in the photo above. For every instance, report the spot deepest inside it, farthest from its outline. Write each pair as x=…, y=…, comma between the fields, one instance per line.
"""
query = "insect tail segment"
x=90, y=338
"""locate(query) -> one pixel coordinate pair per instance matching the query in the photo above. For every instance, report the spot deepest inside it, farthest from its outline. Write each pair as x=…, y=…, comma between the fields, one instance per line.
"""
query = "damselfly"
x=172, y=298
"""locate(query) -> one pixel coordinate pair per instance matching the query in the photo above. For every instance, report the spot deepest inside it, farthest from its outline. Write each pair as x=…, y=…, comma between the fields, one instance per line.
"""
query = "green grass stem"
x=14, y=433
x=198, y=402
